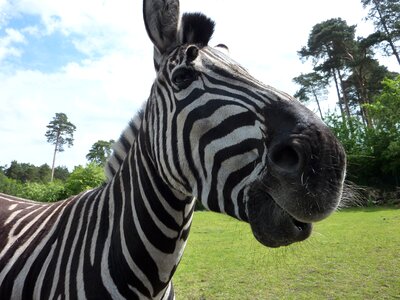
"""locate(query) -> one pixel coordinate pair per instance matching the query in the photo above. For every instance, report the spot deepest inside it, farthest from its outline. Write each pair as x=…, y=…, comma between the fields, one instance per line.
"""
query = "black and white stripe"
x=203, y=133
x=125, y=239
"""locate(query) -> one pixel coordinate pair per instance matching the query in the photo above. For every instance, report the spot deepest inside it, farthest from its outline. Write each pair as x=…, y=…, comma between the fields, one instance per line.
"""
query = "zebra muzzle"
x=272, y=226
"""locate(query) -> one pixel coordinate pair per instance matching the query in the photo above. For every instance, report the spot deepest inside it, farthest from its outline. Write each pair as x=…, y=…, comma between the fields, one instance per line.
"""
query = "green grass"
x=354, y=254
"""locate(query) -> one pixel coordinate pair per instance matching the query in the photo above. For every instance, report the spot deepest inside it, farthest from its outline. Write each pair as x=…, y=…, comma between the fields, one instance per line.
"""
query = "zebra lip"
x=272, y=225
x=301, y=226
x=295, y=230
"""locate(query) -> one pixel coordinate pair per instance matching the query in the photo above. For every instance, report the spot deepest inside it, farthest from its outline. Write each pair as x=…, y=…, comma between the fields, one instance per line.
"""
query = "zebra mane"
x=196, y=28
x=122, y=146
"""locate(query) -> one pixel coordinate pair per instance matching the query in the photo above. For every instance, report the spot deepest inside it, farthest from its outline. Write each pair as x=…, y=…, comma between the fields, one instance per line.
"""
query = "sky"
x=92, y=60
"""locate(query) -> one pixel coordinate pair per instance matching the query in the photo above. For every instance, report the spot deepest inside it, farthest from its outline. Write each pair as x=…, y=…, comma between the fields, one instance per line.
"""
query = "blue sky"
x=37, y=51
x=93, y=61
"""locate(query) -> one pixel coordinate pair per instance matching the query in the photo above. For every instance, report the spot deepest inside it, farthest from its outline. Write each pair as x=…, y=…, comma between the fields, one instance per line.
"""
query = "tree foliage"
x=349, y=63
x=81, y=179
x=385, y=15
x=100, y=152
x=61, y=173
x=329, y=47
x=46, y=192
x=22, y=171
x=385, y=112
x=25, y=172
x=312, y=88
x=374, y=152
x=85, y=178
x=60, y=132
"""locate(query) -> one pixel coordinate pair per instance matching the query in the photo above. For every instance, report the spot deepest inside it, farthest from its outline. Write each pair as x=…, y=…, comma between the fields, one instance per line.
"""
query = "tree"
x=386, y=17
x=61, y=173
x=9, y=186
x=25, y=172
x=313, y=86
x=13, y=171
x=22, y=172
x=329, y=45
x=100, y=152
x=60, y=132
x=385, y=112
x=364, y=81
x=373, y=153
x=44, y=172
x=84, y=178
x=2, y=169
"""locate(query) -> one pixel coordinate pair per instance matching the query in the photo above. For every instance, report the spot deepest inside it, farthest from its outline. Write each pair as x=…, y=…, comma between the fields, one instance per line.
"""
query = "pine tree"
x=386, y=17
x=60, y=132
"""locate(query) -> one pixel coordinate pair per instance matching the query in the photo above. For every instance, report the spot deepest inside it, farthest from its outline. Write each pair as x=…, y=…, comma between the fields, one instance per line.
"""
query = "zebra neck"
x=151, y=224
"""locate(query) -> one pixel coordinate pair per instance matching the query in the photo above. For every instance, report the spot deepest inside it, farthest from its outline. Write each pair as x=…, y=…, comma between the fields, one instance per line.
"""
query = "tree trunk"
x=52, y=166
x=54, y=156
x=339, y=97
x=319, y=107
x=346, y=104
x=344, y=95
x=363, y=99
x=362, y=96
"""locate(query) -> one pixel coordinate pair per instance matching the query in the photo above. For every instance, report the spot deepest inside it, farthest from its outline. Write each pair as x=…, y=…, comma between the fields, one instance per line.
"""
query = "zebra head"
x=241, y=147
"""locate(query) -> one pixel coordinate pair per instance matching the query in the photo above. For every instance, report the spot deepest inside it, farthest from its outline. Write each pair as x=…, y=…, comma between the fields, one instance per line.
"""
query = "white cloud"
x=7, y=43
x=31, y=30
x=3, y=8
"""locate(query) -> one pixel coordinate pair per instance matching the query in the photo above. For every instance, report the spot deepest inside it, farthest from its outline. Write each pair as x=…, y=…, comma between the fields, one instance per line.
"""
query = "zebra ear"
x=161, y=18
x=196, y=28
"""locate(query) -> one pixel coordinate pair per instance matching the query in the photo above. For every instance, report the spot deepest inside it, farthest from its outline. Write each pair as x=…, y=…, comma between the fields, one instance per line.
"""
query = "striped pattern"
x=98, y=245
x=125, y=239
x=202, y=134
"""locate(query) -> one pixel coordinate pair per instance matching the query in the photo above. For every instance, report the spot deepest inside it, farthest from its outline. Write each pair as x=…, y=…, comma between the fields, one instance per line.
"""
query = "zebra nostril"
x=286, y=158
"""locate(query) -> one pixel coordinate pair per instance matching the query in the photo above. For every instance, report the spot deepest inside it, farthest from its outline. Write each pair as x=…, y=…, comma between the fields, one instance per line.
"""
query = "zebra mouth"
x=273, y=226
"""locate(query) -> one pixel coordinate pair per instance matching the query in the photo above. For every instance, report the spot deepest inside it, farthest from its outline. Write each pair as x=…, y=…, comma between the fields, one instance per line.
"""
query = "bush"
x=81, y=179
x=47, y=192
x=374, y=152
x=84, y=178
x=9, y=186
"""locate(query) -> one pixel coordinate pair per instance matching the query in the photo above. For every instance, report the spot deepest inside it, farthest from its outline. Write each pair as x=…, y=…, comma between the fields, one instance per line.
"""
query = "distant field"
x=354, y=254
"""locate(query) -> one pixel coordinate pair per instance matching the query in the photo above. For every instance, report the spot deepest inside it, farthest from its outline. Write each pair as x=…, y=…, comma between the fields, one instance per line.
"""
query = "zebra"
x=208, y=131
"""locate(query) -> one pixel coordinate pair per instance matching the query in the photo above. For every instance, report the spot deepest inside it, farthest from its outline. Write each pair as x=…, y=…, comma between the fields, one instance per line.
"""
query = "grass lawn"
x=354, y=254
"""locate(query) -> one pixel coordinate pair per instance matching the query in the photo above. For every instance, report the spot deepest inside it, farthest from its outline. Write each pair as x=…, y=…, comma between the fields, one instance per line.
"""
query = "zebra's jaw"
x=281, y=210
x=272, y=226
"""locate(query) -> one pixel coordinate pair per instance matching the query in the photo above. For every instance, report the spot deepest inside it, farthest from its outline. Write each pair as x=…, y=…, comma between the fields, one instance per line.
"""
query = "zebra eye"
x=183, y=77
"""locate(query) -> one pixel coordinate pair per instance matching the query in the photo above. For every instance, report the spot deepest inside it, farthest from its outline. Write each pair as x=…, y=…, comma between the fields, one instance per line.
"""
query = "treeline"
x=31, y=182
x=368, y=94
x=26, y=172
x=43, y=183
